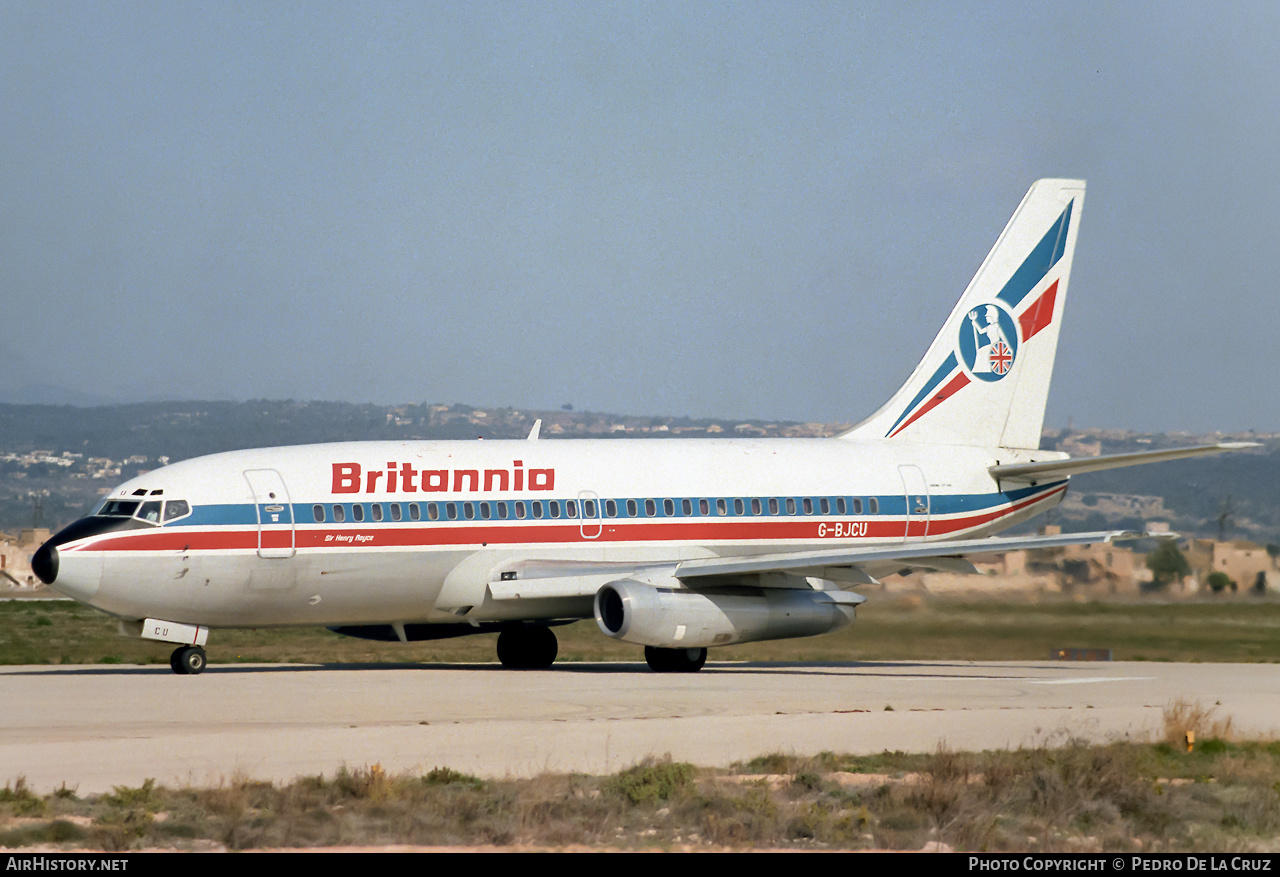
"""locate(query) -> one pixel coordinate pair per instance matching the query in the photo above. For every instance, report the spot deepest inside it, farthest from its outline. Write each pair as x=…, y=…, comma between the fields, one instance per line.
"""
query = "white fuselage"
x=387, y=532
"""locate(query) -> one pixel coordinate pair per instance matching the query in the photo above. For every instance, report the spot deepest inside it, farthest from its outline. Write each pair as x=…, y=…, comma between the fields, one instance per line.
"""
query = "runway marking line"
x=1088, y=679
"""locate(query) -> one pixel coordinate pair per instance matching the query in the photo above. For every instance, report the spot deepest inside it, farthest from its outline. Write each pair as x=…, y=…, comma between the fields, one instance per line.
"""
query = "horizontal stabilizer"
x=1034, y=473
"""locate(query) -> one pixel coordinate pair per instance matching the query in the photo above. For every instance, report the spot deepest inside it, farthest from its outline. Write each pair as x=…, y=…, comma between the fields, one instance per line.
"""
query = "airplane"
x=677, y=545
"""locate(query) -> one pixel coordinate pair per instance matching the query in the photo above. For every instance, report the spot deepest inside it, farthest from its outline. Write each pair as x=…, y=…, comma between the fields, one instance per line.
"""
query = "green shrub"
x=651, y=781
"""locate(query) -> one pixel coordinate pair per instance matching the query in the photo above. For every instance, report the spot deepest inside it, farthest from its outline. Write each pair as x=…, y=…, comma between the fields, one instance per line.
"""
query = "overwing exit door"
x=590, y=523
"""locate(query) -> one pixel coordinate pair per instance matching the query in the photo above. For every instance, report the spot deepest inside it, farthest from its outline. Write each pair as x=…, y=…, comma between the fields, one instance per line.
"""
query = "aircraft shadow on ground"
x=798, y=668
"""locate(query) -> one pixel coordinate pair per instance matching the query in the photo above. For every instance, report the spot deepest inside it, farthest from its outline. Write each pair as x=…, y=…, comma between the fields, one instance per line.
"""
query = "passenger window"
x=502, y=510
x=631, y=508
x=755, y=507
x=875, y=505
x=469, y=511
x=808, y=506
x=686, y=506
x=722, y=507
x=610, y=508
x=554, y=505
x=415, y=514
x=520, y=509
x=650, y=509
x=433, y=511
x=451, y=511
x=377, y=511
x=738, y=507
x=339, y=513
x=537, y=508
x=589, y=508
x=177, y=508
x=484, y=511
x=825, y=505
x=357, y=512
x=791, y=506
x=668, y=507
x=570, y=509
x=704, y=507
x=317, y=512
x=773, y=505
x=840, y=507
x=857, y=505
x=395, y=511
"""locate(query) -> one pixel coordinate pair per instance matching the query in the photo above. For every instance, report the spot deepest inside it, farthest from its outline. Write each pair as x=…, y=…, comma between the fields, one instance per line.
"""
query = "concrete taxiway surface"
x=96, y=727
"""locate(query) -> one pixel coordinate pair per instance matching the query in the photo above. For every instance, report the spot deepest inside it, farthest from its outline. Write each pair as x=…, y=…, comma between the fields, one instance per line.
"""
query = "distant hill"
x=48, y=394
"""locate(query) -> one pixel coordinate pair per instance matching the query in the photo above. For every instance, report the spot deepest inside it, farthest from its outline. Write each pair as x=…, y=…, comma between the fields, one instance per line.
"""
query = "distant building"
x=1241, y=561
x=15, y=557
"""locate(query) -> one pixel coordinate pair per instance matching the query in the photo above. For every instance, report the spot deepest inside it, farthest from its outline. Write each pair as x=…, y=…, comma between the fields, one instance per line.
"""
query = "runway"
x=95, y=727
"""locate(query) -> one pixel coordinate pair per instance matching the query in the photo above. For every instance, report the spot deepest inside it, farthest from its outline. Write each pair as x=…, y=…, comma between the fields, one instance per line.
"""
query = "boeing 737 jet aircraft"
x=676, y=545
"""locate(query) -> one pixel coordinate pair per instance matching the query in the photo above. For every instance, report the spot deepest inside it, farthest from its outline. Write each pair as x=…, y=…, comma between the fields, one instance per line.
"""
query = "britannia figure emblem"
x=989, y=342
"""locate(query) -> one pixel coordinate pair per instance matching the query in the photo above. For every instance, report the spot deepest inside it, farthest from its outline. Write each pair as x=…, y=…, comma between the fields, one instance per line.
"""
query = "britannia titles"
x=404, y=478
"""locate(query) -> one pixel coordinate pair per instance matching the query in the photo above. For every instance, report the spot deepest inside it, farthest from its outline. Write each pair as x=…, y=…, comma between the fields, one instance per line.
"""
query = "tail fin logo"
x=989, y=342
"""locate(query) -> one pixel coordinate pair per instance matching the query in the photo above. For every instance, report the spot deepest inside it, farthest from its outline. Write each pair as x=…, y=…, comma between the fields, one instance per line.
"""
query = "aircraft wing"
x=543, y=579
x=884, y=558
x=1033, y=473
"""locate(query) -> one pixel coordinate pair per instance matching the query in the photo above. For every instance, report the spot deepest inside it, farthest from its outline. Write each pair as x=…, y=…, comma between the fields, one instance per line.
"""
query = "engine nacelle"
x=669, y=618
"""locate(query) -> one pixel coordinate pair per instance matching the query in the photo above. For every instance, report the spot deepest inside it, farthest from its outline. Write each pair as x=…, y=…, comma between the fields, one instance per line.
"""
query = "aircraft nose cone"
x=44, y=563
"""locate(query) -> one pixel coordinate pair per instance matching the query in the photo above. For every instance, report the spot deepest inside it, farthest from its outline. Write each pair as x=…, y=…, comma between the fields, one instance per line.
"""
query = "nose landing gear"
x=188, y=660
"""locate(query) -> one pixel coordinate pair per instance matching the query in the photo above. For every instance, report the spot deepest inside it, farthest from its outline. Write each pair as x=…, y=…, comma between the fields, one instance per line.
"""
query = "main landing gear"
x=187, y=660
x=527, y=647
x=675, y=660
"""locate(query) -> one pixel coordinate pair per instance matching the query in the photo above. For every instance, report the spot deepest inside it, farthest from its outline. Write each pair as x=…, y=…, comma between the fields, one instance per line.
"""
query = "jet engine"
x=672, y=618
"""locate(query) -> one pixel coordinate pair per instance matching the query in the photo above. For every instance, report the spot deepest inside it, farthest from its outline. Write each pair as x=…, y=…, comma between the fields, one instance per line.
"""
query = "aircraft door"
x=589, y=522
x=915, y=489
x=275, y=513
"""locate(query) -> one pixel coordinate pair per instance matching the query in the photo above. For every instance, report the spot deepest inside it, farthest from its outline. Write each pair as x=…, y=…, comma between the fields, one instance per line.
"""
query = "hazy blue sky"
x=743, y=210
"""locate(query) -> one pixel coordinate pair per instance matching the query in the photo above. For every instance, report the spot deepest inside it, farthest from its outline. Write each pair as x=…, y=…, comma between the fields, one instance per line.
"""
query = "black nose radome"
x=44, y=563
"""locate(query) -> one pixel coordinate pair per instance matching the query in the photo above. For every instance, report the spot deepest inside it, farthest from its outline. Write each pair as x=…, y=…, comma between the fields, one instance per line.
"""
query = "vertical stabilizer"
x=985, y=380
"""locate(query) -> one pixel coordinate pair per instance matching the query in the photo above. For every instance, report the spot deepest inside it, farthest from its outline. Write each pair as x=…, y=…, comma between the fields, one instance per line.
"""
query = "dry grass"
x=1118, y=798
x=1183, y=718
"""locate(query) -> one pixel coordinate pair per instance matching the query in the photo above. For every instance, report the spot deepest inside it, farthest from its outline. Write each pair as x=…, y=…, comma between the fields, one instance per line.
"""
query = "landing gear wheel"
x=527, y=648
x=675, y=660
x=187, y=660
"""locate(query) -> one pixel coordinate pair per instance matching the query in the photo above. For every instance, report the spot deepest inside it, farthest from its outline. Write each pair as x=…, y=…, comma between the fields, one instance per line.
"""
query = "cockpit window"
x=118, y=508
x=176, y=508
x=150, y=512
